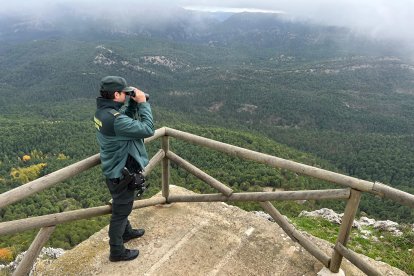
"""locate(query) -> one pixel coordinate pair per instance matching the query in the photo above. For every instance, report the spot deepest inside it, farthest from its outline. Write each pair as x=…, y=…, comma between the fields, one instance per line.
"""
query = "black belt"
x=135, y=181
x=114, y=180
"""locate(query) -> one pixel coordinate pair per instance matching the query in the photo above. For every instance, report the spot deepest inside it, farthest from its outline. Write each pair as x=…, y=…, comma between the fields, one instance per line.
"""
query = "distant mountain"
x=258, y=30
x=315, y=85
x=324, y=90
x=176, y=24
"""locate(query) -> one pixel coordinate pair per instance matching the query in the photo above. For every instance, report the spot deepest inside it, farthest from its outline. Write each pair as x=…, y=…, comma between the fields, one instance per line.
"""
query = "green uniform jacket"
x=120, y=132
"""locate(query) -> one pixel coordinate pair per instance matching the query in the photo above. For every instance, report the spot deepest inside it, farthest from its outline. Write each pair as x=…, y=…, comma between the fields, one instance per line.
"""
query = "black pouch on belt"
x=135, y=181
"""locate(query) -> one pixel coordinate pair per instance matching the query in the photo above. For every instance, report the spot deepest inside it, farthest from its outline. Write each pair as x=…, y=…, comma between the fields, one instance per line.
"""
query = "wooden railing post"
x=33, y=252
x=345, y=228
x=165, y=168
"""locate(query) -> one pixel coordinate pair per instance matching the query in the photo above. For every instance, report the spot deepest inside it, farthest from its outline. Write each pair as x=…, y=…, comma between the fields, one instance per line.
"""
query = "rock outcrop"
x=48, y=253
x=330, y=215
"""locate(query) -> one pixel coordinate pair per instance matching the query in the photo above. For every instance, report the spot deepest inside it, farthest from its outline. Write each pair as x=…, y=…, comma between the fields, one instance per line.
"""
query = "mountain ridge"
x=181, y=25
x=341, y=97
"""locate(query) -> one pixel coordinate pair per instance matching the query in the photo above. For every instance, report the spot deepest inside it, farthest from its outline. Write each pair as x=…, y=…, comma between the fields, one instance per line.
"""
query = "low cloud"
x=378, y=18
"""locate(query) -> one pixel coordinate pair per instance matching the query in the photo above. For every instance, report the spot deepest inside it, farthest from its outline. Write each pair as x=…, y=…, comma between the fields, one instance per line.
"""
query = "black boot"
x=126, y=256
x=135, y=233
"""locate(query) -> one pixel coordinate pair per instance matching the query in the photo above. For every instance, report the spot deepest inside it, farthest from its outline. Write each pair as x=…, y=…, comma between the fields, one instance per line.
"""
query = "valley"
x=316, y=95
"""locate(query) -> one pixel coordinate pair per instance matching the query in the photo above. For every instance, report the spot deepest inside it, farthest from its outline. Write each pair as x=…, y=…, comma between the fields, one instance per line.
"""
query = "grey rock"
x=46, y=252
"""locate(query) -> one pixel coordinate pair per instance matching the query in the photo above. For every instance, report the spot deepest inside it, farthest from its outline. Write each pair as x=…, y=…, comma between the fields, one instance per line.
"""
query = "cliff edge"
x=199, y=239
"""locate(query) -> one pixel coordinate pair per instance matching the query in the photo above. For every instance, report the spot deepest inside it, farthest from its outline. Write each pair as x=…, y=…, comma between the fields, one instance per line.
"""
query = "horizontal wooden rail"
x=157, y=134
x=53, y=178
x=83, y=213
x=264, y=196
x=356, y=260
x=199, y=174
x=17, y=226
x=348, y=181
x=394, y=194
x=294, y=234
x=47, y=181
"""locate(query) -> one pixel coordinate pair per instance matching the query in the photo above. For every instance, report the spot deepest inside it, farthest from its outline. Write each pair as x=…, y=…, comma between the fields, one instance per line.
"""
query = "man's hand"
x=139, y=96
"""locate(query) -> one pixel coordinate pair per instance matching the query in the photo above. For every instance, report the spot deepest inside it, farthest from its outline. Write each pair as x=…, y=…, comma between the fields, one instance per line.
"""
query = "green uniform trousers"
x=119, y=225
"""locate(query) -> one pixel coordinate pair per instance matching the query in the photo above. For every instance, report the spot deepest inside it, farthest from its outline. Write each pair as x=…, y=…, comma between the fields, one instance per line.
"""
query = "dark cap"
x=115, y=83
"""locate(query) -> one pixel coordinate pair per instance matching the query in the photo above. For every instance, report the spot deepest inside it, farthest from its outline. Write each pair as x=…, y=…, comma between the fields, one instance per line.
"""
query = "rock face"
x=199, y=239
x=325, y=213
x=330, y=215
x=46, y=253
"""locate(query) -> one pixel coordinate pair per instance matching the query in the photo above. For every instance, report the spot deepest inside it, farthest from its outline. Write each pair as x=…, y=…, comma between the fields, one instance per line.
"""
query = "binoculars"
x=132, y=94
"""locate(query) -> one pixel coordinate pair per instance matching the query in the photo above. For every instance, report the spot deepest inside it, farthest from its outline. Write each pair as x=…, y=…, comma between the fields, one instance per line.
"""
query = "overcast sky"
x=393, y=18
x=389, y=18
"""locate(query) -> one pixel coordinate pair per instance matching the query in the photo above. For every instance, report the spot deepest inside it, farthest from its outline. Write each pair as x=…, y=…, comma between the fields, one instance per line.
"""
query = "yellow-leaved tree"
x=24, y=175
x=37, y=154
x=26, y=158
x=62, y=156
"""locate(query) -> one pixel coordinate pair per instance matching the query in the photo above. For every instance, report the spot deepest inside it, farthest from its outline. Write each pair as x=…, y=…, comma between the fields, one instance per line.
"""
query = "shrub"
x=6, y=255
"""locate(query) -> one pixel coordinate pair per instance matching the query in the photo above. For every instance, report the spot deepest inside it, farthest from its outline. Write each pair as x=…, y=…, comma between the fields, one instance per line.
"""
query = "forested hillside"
x=360, y=106
x=316, y=95
x=74, y=141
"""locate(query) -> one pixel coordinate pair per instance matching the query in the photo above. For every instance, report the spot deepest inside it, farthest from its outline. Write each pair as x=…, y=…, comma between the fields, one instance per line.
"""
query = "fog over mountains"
x=263, y=30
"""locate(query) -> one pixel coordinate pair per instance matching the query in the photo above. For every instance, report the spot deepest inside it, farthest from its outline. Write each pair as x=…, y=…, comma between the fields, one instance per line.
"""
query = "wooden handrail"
x=276, y=162
x=53, y=178
x=353, y=195
x=265, y=196
x=21, y=225
x=47, y=181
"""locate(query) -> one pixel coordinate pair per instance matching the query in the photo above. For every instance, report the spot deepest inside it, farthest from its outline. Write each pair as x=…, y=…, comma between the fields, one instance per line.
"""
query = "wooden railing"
x=352, y=193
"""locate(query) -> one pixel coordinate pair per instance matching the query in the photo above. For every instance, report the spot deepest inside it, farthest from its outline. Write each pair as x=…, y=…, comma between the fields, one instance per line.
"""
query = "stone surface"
x=326, y=272
x=330, y=215
x=325, y=213
x=200, y=239
x=388, y=225
x=365, y=221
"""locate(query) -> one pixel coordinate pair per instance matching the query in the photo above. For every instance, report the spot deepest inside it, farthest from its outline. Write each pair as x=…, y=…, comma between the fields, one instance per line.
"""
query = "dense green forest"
x=328, y=104
x=89, y=190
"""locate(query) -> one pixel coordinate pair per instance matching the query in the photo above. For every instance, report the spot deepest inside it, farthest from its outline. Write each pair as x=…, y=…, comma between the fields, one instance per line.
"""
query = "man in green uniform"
x=121, y=128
